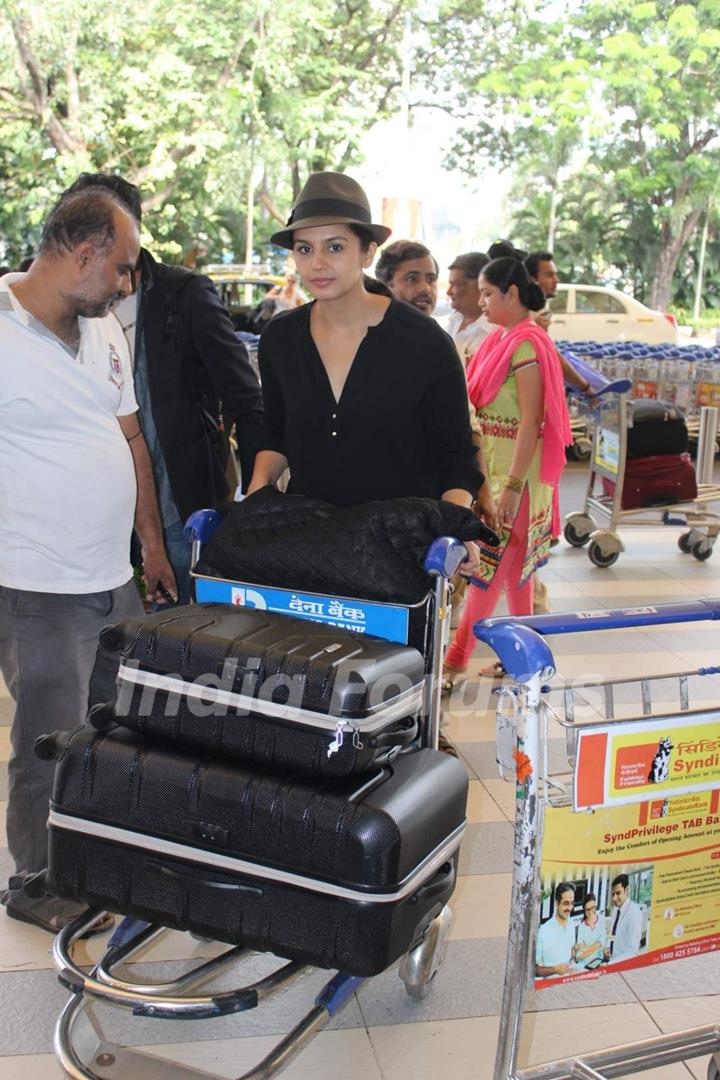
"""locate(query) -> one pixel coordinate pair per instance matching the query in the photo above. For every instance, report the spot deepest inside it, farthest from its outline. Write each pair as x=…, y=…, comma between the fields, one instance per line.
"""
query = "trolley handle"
x=444, y=557
x=200, y=526
x=521, y=650
x=580, y=622
x=446, y=554
x=520, y=646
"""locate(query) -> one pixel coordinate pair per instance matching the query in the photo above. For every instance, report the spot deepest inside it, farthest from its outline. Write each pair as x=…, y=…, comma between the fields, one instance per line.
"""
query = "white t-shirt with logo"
x=67, y=480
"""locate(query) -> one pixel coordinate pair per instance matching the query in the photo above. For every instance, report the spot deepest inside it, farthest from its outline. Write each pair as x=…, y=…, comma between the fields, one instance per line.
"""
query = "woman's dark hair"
x=373, y=285
x=589, y=897
x=364, y=235
x=502, y=273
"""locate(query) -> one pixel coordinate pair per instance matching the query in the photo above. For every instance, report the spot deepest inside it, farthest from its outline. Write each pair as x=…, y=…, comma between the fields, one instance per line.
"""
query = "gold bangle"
x=513, y=484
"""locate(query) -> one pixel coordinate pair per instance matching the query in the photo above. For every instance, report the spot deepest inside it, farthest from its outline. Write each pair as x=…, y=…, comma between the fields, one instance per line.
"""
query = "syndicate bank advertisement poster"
x=628, y=886
x=638, y=760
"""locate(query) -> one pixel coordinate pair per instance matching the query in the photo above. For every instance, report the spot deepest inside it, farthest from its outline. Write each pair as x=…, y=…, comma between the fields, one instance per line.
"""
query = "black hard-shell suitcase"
x=267, y=688
x=336, y=873
x=658, y=428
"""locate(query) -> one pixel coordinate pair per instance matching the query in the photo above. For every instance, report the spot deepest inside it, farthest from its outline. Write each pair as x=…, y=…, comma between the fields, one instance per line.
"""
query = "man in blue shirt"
x=556, y=937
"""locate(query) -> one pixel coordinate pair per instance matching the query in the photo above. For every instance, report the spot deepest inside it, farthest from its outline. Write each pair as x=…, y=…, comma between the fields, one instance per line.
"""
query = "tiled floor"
x=383, y=1034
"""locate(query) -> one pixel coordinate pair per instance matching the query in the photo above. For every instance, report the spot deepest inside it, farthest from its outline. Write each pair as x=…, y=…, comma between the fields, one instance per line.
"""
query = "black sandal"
x=52, y=915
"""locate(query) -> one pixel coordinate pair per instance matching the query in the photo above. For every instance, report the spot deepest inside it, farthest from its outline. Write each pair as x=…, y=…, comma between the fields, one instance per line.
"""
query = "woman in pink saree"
x=516, y=385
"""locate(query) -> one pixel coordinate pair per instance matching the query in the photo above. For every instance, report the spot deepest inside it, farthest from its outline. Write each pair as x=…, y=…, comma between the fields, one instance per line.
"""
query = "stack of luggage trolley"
x=265, y=781
x=687, y=376
x=639, y=467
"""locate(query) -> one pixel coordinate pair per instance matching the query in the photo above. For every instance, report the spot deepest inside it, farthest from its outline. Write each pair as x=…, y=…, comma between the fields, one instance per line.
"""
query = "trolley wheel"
x=579, y=450
x=702, y=550
x=684, y=543
x=602, y=558
x=419, y=967
x=574, y=537
x=579, y=527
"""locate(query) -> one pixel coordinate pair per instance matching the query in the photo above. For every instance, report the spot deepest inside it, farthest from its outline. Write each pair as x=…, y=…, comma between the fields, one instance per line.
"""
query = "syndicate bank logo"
x=668, y=760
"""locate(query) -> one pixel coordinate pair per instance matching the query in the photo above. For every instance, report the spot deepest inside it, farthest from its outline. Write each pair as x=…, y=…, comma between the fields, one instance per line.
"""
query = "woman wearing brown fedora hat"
x=365, y=397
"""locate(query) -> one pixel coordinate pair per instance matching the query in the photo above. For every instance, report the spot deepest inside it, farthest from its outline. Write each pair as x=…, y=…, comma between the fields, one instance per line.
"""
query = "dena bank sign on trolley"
x=635, y=880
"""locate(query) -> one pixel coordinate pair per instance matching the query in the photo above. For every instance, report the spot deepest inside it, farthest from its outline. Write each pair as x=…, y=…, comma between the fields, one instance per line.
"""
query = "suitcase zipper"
x=340, y=729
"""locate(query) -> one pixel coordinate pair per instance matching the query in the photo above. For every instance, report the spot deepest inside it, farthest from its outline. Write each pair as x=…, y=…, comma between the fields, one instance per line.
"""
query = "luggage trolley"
x=80, y=1044
x=603, y=502
x=522, y=740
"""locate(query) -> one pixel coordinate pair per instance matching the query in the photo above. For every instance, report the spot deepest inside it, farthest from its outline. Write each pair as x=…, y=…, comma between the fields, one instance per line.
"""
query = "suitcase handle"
x=438, y=884
x=52, y=747
x=102, y=716
x=396, y=736
x=191, y=877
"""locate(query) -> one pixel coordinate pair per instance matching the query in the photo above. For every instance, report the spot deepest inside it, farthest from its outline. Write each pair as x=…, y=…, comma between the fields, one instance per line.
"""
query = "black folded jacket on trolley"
x=658, y=428
x=376, y=550
x=281, y=692
x=337, y=873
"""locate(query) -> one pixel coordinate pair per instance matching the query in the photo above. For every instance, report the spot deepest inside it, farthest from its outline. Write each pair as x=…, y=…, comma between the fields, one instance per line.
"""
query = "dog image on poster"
x=660, y=767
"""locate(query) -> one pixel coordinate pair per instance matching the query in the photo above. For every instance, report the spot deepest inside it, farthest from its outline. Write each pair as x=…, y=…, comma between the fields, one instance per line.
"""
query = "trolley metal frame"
x=83, y=1050
x=526, y=656
x=613, y=418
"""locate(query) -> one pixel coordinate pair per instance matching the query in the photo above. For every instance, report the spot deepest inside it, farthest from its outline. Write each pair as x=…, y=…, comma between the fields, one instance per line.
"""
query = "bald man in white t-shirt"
x=74, y=476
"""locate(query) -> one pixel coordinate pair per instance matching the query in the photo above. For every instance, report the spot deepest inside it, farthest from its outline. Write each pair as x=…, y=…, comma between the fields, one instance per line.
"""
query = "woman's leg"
x=480, y=603
x=520, y=599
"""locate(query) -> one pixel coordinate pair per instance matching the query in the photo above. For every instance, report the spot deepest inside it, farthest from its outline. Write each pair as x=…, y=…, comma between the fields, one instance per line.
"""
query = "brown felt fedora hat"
x=330, y=198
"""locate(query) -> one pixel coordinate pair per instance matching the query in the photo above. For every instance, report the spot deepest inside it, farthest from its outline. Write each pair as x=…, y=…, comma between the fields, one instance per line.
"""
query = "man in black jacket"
x=190, y=371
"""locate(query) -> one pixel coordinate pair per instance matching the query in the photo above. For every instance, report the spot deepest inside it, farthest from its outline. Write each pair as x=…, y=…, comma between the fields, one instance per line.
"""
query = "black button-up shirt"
x=401, y=426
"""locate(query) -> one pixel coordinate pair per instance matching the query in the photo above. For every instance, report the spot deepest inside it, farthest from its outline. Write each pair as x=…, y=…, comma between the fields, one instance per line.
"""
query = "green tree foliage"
x=602, y=109
x=191, y=101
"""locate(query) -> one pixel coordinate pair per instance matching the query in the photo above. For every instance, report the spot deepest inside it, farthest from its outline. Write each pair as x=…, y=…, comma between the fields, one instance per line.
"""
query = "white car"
x=599, y=313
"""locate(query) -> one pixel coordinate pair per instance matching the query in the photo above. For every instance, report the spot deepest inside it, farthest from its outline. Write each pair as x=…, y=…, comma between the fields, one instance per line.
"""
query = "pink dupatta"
x=488, y=370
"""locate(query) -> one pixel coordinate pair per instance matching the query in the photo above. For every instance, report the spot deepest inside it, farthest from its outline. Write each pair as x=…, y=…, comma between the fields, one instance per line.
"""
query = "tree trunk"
x=552, y=223
x=673, y=244
x=701, y=267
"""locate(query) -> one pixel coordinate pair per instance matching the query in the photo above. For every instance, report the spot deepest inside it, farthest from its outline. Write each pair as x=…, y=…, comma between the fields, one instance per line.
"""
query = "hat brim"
x=284, y=238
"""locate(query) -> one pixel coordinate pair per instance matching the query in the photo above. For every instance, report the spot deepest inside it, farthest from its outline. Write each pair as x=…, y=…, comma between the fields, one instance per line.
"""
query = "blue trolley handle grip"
x=201, y=525
x=579, y=622
x=446, y=554
x=522, y=652
x=444, y=557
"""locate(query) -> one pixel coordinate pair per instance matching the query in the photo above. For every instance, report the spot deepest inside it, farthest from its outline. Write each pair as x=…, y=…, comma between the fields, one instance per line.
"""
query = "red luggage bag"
x=659, y=480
